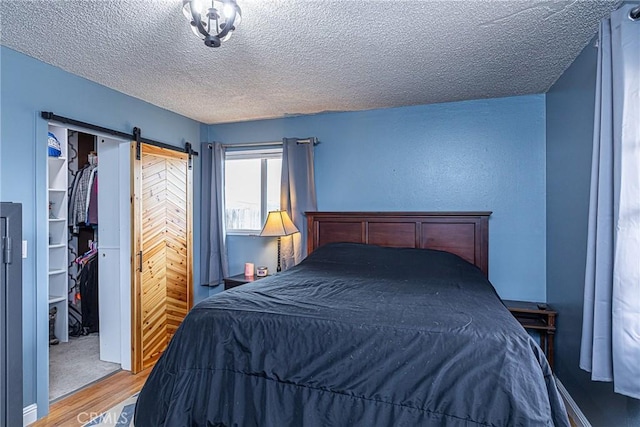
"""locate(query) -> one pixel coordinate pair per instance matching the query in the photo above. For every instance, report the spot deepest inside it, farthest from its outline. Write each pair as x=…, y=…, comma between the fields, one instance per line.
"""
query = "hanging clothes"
x=82, y=260
x=87, y=256
x=80, y=196
x=88, y=282
x=92, y=201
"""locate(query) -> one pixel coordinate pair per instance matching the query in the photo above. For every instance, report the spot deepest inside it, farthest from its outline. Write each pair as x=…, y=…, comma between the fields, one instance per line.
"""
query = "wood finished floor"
x=94, y=399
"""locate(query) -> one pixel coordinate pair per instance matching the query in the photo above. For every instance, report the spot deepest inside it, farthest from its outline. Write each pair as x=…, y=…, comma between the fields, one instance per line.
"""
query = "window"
x=251, y=188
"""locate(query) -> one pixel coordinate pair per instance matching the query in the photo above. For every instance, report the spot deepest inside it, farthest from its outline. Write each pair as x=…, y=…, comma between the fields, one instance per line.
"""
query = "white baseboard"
x=572, y=407
x=29, y=414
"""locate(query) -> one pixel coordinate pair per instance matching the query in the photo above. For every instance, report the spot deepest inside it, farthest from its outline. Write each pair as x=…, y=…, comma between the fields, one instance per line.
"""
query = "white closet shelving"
x=57, y=198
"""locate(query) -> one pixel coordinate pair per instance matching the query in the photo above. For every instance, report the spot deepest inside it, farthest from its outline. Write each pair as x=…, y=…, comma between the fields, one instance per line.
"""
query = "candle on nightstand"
x=248, y=269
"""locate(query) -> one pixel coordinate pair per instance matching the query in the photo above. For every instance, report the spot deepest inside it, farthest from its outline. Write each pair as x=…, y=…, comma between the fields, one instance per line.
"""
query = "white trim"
x=29, y=414
x=264, y=155
x=88, y=130
x=572, y=407
x=255, y=153
x=251, y=144
x=238, y=232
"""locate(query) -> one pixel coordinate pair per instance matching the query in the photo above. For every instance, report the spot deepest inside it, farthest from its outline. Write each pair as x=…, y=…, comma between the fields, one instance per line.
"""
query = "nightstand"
x=538, y=317
x=237, y=280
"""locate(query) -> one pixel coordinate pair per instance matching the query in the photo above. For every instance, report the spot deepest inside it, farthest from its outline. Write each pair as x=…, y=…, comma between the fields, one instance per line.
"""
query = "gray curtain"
x=214, y=266
x=297, y=195
x=610, y=347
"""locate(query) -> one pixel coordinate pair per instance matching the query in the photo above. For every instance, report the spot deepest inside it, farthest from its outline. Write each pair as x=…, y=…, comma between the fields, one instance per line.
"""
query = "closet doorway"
x=162, y=248
x=97, y=317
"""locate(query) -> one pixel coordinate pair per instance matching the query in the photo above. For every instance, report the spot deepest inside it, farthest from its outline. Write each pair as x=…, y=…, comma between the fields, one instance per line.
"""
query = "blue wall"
x=472, y=155
x=570, y=110
x=28, y=87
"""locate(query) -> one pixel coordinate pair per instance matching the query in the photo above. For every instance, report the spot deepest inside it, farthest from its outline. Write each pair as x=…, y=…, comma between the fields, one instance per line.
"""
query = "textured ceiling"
x=292, y=57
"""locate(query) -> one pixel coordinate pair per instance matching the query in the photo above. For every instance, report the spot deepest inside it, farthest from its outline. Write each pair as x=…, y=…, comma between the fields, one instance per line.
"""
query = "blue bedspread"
x=354, y=336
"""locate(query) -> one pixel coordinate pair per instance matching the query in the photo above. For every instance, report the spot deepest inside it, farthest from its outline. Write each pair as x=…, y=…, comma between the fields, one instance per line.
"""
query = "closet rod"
x=135, y=136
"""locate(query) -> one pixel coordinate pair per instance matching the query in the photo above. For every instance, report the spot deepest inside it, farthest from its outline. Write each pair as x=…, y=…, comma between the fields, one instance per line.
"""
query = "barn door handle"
x=140, y=256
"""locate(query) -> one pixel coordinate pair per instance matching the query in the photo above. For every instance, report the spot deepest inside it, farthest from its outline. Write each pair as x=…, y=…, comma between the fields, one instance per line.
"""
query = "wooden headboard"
x=465, y=234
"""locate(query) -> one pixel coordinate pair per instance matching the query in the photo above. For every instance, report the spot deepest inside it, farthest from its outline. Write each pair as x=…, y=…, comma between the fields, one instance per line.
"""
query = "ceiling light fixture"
x=213, y=21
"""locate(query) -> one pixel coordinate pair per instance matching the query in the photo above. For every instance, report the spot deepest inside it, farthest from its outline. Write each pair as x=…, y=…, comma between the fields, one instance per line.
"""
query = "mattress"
x=355, y=335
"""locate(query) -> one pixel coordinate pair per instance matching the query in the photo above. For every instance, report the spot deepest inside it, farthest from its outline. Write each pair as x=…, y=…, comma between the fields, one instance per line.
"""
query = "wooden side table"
x=237, y=280
x=539, y=317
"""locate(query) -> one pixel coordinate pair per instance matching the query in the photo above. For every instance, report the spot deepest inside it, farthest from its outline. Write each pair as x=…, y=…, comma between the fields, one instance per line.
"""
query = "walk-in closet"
x=84, y=252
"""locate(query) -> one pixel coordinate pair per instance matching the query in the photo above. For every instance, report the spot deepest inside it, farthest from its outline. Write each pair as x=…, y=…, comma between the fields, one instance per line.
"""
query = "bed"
x=390, y=321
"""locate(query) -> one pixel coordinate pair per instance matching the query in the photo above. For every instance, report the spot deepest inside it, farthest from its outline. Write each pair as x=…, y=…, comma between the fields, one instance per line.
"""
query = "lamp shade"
x=278, y=223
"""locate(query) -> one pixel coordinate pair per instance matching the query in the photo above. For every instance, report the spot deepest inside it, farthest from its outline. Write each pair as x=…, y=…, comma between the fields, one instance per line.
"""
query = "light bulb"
x=228, y=10
x=198, y=6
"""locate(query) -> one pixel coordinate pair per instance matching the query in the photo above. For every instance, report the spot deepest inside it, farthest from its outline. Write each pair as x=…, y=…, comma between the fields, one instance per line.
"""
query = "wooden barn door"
x=161, y=250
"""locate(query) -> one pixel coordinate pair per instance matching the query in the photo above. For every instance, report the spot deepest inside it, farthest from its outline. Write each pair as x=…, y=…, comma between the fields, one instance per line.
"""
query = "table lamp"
x=278, y=224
